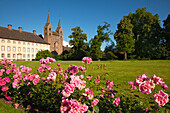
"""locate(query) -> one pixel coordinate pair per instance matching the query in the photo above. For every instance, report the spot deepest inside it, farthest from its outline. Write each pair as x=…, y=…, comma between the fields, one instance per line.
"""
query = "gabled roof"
x=22, y=36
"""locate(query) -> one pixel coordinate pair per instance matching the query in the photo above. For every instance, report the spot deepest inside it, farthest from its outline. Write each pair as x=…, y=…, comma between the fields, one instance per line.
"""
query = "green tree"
x=124, y=37
x=103, y=34
x=147, y=32
x=167, y=34
x=80, y=48
x=43, y=54
x=109, y=51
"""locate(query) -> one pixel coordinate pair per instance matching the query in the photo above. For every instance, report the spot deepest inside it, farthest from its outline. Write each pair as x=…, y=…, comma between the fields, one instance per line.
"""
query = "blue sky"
x=88, y=14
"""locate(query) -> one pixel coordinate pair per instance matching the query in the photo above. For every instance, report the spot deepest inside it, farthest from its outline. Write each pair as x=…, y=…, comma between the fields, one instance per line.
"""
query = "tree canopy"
x=79, y=49
x=103, y=34
x=124, y=37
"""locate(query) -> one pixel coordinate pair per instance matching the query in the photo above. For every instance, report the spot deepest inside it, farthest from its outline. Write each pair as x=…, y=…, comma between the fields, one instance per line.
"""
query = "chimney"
x=20, y=29
x=34, y=32
x=9, y=27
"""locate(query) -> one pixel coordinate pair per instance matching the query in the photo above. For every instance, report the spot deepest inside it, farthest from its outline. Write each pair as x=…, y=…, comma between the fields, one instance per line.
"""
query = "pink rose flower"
x=161, y=98
x=7, y=80
x=165, y=86
x=75, y=80
x=133, y=87
x=87, y=60
x=83, y=108
x=58, y=64
x=2, y=82
x=116, y=101
x=16, y=105
x=8, y=71
x=52, y=76
x=95, y=102
x=130, y=83
x=35, y=81
x=5, y=88
x=145, y=88
x=157, y=80
x=68, y=88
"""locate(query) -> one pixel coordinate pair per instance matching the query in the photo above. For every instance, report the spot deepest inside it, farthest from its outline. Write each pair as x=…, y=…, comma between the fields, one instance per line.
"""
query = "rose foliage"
x=57, y=90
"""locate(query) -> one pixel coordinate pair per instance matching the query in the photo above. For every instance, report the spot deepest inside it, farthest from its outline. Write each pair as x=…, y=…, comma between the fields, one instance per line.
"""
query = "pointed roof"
x=48, y=19
x=59, y=24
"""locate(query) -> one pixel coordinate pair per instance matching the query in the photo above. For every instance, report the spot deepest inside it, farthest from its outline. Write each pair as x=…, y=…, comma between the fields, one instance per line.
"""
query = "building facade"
x=21, y=45
x=54, y=38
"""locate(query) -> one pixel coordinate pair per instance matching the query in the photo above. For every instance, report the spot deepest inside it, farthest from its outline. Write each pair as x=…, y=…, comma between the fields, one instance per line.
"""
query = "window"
x=23, y=49
x=2, y=55
x=8, y=41
x=36, y=50
x=23, y=55
x=28, y=43
x=32, y=55
x=19, y=49
x=23, y=43
x=3, y=41
x=19, y=42
x=36, y=44
x=33, y=44
x=32, y=49
x=49, y=29
x=49, y=33
x=28, y=56
x=9, y=48
x=14, y=48
x=14, y=56
x=3, y=48
x=45, y=28
x=45, y=33
x=28, y=50
x=14, y=42
x=8, y=55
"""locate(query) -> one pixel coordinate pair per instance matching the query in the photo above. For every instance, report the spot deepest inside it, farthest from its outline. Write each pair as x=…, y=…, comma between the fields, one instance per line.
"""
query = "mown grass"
x=120, y=72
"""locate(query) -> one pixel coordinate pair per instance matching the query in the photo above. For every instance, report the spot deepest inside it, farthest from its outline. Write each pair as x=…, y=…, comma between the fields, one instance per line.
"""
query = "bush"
x=70, y=90
x=43, y=54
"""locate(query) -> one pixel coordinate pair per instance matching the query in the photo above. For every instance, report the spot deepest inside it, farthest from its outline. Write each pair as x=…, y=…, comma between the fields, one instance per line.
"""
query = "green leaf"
x=96, y=109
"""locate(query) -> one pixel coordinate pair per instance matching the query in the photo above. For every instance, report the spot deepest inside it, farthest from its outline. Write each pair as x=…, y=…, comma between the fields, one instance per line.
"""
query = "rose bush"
x=148, y=86
x=57, y=90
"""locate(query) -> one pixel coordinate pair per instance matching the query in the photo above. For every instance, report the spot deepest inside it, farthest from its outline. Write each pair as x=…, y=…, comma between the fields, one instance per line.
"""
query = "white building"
x=20, y=45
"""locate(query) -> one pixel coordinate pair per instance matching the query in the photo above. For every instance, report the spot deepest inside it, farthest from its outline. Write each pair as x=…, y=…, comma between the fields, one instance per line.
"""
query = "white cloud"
x=66, y=43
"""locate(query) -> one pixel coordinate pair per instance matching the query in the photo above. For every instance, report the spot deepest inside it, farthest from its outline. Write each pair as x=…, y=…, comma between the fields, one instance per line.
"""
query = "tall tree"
x=124, y=37
x=109, y=51
x=79, y=49
x=146, y=31
x=167, y=34
x=103, y=34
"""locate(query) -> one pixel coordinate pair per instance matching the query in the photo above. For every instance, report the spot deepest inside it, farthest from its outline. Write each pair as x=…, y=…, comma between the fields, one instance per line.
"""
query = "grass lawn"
x=120, y=72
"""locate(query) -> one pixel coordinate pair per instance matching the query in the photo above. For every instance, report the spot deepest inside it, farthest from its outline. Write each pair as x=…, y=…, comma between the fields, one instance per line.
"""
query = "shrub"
x=43, y=54
x=70, y=90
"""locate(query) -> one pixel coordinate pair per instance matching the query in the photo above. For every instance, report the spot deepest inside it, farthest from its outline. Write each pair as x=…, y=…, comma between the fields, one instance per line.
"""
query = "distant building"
x=21, y=45
x=54, y=38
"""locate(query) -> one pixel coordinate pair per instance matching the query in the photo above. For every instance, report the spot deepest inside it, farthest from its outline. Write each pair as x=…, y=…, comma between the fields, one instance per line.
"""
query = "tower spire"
x=59, y=24
x=48, y=19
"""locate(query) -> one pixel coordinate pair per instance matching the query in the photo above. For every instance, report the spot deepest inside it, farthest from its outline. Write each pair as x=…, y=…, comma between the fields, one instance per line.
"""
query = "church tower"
x=47, y=30
x=54, y=38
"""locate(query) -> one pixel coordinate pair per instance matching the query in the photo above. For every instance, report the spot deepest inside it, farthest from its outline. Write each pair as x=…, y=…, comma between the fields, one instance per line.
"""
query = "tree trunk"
x=125, y=56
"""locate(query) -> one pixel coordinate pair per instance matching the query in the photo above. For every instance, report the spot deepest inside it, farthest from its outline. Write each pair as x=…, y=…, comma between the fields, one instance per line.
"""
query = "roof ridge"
x=19, y=31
